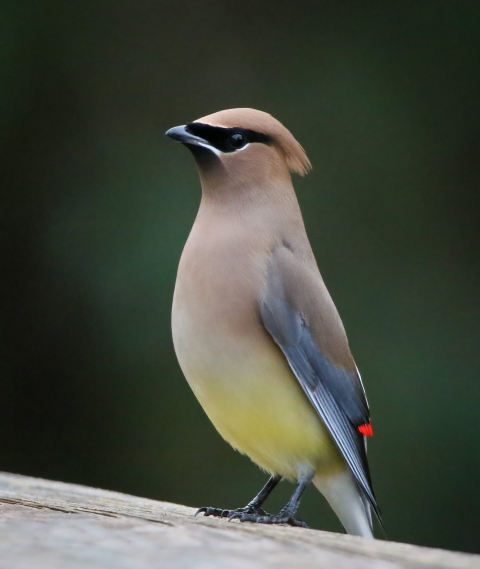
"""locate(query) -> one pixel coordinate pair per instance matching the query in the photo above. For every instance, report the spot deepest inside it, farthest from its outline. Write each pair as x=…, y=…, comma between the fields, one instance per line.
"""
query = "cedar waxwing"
x=255, y=330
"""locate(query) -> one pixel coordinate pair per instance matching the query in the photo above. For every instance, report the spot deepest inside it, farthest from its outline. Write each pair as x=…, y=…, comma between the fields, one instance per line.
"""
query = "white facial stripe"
x=210, y=124
x=219, y=152
x=208, y=147
x=201, y=142
x=238, y=149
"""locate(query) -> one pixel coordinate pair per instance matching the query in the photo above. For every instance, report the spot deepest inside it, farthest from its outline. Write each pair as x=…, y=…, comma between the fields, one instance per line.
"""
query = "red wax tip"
x=366, y=429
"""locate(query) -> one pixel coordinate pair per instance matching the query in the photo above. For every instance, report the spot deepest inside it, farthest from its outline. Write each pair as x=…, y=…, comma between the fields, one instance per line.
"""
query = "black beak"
x=180, y=134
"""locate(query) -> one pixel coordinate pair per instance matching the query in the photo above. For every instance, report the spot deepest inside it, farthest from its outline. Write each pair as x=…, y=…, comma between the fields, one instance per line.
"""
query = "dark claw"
x=219, y=513
x=268, y=519
x=215, y=512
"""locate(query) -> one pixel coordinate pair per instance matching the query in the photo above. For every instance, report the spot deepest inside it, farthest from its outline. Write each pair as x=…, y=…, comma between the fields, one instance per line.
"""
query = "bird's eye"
x=237, y=140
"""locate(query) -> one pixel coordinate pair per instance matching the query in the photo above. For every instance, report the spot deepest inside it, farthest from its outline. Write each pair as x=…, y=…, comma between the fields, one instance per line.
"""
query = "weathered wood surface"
x=54, y=525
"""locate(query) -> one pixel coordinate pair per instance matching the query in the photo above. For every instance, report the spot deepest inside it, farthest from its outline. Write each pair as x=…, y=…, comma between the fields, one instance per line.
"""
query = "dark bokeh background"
x=96, y=205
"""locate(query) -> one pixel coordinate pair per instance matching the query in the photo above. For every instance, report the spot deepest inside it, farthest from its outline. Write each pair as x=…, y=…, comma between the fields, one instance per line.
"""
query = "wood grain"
x=53, y=525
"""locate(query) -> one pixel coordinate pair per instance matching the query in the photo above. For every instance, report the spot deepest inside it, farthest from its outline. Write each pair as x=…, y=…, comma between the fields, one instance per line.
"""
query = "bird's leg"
x=286, y=515
x=253, y=508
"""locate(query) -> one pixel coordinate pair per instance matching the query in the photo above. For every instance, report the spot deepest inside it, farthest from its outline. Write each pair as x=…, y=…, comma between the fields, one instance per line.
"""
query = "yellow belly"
x=237, y=372
x=258, y=406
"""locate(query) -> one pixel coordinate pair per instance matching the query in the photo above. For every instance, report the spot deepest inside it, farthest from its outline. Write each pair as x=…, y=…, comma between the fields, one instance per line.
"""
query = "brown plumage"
x=255, y=330
x=292, y=151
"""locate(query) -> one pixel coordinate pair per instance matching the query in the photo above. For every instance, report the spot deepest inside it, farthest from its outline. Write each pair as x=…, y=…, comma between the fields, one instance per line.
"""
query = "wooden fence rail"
x=53, y=525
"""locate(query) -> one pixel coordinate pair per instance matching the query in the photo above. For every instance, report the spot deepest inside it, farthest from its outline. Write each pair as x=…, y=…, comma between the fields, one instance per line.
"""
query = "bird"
x=255, y=330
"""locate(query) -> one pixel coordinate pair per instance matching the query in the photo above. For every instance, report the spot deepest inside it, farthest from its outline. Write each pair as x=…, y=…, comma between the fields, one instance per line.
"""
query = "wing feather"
x=336, y=393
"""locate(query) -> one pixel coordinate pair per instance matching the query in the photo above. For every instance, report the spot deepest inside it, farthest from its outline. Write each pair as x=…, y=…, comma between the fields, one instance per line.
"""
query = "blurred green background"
x=96, y=204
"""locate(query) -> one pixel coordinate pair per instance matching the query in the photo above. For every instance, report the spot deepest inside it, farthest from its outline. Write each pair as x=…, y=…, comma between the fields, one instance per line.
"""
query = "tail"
x=344, y=496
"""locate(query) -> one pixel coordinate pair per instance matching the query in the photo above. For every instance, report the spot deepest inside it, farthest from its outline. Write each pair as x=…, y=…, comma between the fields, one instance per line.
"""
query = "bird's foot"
x=232, y=514
x=277, y=519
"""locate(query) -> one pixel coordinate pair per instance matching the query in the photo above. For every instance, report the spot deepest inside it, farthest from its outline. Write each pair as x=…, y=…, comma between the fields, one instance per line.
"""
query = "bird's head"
x=240, y=146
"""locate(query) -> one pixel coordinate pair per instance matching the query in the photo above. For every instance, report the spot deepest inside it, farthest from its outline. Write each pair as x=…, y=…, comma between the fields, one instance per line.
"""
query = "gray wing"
x=295, y=296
